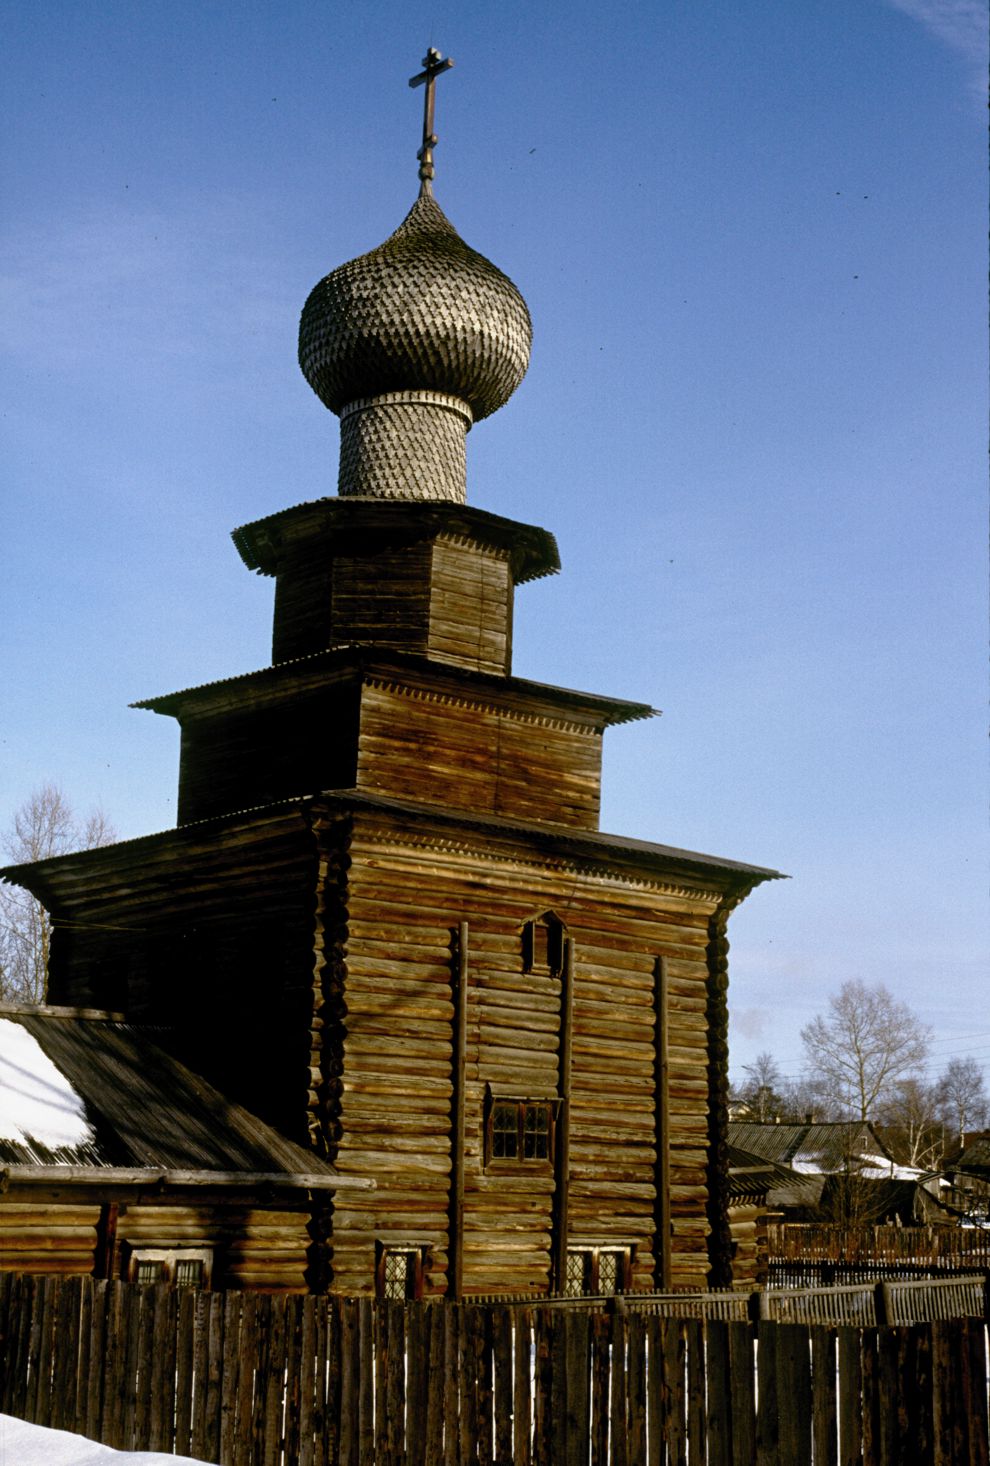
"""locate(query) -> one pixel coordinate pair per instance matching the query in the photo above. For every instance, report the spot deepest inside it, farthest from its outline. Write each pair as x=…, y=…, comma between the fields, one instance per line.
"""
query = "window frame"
x=524, y=1105
x=591, y=1269
x=534, y=946
x=414, y=1286
x=170, y=1258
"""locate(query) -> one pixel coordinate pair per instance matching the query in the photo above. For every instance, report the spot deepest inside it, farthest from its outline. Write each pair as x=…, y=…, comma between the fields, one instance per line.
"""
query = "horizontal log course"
x=368, y=1033
x=405, y=1109
x=397, y=968
x=491, y=1038
x=434, y=1088
x=366, y=1062
x=397, y=1006
x=65, y=1263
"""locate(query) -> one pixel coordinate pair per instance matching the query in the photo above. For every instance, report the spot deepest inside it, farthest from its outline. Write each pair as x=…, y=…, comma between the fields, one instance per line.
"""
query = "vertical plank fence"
x=246, y=1379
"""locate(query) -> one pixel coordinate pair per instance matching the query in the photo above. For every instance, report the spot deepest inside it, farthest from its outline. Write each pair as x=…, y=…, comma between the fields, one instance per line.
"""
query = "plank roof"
x=144, y=1108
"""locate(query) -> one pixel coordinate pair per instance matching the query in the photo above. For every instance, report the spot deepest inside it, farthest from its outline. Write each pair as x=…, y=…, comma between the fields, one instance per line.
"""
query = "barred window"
x=183, y=1267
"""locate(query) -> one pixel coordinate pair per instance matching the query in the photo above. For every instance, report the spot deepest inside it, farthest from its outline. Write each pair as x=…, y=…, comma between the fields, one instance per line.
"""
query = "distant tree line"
x=866, y=1058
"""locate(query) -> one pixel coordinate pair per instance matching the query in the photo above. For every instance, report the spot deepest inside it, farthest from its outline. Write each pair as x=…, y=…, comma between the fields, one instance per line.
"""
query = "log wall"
x=465, y=753
x=392, y=1046
x=252, y=1248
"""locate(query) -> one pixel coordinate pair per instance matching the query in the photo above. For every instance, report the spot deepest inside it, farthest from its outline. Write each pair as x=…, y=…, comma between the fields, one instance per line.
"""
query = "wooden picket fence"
x=248, y=1379
x=935, y=1248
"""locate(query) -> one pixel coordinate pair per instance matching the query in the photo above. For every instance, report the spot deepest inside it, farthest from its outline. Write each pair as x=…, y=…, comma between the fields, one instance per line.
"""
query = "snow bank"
x=34, y=1445
x=37, y=1102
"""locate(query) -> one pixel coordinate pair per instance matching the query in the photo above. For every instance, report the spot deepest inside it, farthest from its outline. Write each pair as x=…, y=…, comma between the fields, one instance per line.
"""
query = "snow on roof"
x=37, y=1103
x=36, y=1445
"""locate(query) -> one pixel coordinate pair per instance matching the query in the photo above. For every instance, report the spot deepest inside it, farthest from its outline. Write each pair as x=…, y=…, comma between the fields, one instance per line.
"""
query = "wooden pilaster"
x=562, y=1151
x=455, y=1247
x=661, y=1241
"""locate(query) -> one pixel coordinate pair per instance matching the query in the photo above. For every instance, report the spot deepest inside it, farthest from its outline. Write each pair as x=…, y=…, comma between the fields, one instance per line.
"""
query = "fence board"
x=275, y=1391
x=225, y=1349
x=350, y=1374
x=366, y=1395
x=718, y=1420
x=65, y=1326
x=294, y=1374
x=618, y=1392
x=767, y=1413
x=144, y=1336
x=824, y=1412
x=84, y=1356
x=742, y=1393
x=436, y=1317
x=871, y=1399
x=542, y=1417
x=694, y=1333
x=112, y=1415
x=502, y=1363
x=794, y=1392
x=184, y=1378
x=601, y=1335
x=578, y=1425
x=675, y=1391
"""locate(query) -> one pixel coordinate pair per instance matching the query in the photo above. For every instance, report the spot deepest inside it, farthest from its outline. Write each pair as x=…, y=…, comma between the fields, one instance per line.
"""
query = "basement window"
x=398, y=1272
x=598, y=1271
x=519, y=1131
x=182, y=1267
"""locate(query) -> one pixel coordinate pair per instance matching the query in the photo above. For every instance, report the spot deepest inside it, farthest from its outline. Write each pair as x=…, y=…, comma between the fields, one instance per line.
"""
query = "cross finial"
x=433, y=65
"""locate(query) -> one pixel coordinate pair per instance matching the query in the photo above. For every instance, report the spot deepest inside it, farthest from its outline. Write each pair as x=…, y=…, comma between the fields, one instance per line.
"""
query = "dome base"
x=405, y=445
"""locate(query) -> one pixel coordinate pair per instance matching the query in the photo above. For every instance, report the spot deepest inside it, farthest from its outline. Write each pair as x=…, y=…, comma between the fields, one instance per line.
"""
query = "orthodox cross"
x=433, y=65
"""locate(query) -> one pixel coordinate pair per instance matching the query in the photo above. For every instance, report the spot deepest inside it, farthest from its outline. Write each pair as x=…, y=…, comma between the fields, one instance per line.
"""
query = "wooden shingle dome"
x=422, y=311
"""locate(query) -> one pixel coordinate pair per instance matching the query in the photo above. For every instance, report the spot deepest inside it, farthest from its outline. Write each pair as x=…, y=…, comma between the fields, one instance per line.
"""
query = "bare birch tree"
x=914, y=1132
x=963, y=1097
x=761, y=1091
x=45, y=825
x=861, y=1048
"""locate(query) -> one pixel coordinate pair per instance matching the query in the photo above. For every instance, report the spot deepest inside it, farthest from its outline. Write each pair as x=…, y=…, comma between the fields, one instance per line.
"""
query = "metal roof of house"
x=821, y=1147
x=751, y=1178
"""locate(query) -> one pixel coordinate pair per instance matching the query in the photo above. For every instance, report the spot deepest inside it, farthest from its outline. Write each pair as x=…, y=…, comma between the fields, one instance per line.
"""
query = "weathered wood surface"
x=389, y=1043
x=266, y=1380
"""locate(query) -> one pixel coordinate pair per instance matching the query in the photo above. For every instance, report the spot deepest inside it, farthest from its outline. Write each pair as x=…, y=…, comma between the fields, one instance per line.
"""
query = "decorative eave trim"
x=454, y=700
x=601, y=874
x=468, y=542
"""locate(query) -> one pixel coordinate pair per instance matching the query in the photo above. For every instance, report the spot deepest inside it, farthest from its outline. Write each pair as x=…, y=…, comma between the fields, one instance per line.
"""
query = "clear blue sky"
x=752, y=240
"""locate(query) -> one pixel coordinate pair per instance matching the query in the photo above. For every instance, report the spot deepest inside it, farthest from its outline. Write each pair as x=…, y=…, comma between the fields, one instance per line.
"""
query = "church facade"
x=387, y=922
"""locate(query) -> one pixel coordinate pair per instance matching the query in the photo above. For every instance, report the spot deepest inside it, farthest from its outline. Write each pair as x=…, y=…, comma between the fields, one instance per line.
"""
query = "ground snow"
x=34, y=1445
x=37, y=1102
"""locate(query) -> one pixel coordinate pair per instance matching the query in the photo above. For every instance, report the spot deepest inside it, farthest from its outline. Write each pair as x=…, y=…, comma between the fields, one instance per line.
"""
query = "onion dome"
x=421, y=313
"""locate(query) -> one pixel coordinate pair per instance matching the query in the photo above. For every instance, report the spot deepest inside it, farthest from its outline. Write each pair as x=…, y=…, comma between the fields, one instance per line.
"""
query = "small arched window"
x=543, y=944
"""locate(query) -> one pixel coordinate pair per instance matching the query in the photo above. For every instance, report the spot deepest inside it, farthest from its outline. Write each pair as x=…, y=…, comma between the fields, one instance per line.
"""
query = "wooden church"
x=387, y=922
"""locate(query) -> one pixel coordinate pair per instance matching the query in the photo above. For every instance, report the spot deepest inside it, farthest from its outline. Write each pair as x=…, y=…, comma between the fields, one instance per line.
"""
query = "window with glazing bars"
x=399, y=1273
x=598, y=1271
x=519, y=1130
x=182, y=1267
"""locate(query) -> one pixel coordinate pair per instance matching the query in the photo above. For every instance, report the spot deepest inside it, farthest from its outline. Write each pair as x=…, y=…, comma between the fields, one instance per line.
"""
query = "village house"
x=387, y=922
x=115, y=1160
